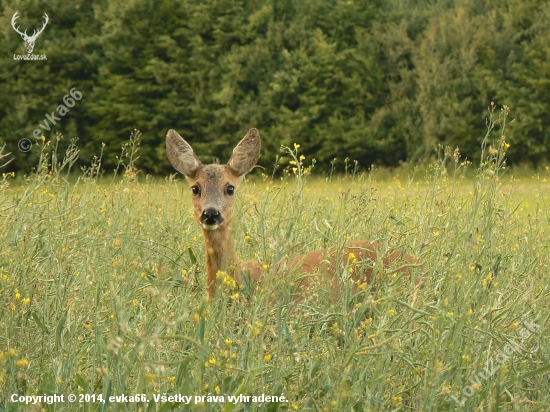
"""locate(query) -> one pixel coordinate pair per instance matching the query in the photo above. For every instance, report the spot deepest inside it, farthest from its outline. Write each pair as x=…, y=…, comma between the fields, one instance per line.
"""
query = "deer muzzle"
x=211, y=218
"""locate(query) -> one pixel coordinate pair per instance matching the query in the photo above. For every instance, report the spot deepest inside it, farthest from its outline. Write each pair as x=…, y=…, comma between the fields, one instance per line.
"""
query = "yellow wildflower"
x=229, y=281
x=487, y=279
x=22, y=363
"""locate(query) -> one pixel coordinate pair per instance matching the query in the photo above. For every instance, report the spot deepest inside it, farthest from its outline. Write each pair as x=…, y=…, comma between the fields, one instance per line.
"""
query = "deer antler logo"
x=29, y=40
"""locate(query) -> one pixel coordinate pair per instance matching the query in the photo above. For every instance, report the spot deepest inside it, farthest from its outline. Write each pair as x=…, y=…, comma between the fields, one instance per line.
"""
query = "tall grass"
x=102, y=289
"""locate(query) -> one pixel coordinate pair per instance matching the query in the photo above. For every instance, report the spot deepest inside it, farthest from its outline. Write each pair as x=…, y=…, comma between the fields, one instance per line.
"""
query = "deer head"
x=29, y=40
x=214, y=186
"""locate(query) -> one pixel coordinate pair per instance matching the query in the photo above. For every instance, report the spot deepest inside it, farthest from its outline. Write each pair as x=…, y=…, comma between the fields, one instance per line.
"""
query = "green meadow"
x=103, y=291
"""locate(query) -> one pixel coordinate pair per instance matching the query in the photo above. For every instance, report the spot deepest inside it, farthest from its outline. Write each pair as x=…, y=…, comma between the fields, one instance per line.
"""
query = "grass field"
x=103, y=293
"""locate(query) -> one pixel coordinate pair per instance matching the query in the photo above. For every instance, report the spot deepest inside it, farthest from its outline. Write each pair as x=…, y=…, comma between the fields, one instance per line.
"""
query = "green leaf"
x=40, y=323
x=529, y=374
x=192, y=256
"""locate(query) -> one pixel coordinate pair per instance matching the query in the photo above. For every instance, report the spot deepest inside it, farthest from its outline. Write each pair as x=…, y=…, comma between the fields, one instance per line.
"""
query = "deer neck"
x=220, y=254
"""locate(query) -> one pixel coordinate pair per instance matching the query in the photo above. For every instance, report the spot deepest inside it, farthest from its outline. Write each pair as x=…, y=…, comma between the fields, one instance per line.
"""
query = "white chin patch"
x=209, y=227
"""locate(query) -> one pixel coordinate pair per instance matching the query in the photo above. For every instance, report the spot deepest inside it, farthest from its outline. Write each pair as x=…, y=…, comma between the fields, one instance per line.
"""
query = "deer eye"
x=230, y=190
x=196, y=190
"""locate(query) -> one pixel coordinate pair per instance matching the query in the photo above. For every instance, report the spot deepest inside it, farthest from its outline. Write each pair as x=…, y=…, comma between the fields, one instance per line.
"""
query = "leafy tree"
x=378, y=82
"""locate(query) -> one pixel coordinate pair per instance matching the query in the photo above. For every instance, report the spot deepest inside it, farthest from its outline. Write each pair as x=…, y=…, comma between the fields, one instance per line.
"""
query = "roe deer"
x=214, y=187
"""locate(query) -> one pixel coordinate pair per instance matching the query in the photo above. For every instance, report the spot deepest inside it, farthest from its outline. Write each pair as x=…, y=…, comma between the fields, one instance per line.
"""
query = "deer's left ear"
x=246, y=153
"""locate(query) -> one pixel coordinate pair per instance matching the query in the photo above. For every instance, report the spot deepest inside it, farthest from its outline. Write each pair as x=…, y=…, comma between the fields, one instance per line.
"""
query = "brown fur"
x=213, y=181
x=324, y=263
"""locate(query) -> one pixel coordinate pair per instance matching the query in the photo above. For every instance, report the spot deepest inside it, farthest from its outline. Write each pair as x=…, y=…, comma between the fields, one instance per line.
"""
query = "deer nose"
x=211, y=216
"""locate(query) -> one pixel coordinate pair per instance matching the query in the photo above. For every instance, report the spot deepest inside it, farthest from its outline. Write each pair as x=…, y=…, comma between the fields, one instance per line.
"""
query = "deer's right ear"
x=181, y=155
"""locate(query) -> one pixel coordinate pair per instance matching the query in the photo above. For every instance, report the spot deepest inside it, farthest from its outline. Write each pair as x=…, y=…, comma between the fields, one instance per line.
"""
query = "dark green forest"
x=379, y=82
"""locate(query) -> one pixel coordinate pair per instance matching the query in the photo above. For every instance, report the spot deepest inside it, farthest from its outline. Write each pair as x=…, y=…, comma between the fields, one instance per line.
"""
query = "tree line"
x=379, y=82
